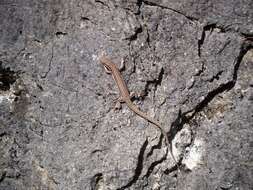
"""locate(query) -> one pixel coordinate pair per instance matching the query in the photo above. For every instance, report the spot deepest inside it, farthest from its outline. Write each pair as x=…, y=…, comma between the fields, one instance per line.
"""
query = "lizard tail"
x=135, y=109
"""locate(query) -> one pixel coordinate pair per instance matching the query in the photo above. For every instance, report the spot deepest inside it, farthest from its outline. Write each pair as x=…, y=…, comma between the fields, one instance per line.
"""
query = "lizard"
x=125, y=97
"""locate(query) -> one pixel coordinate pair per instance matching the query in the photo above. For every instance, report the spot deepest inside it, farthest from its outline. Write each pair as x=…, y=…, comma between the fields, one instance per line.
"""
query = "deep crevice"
x=201, y=41
x=153, y=165
x=59, y=33
x=157, y=146
x=217, y=76
x=201, y=70
x=155, y=82
x=135, y=35
x=83, y=18
x=2, y=177
x=172, y=169
x=2, y=134
x=176, y=126
x=203, y=36
x=148, y=38
x=138, y=168
x=209, y=27
x=139, y=4
x=223, y=87
x=164, y=7
x=7, y=78
x=248, y=37
x=184, y=118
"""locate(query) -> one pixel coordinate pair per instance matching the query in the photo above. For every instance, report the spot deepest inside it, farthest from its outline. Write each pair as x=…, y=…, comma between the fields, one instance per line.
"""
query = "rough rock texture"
x=191, y=61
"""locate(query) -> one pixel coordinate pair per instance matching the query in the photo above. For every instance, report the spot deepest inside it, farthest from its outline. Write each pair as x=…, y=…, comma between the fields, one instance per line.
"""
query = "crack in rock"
x=223, y=87
x=7, y=78
x=138, y=168
x=186, y=117
x=168, y=8
x=210, y=28
x=135, y=35
x=50, y=64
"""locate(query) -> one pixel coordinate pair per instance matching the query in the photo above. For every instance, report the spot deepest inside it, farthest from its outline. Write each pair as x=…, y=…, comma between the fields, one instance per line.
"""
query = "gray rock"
x=190, y=61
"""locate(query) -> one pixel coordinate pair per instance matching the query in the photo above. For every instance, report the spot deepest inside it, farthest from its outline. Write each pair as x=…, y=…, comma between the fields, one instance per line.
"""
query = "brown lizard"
x=125, y=96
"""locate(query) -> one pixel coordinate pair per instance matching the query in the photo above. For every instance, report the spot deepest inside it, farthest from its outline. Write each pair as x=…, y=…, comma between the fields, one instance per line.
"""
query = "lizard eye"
x=107, y=69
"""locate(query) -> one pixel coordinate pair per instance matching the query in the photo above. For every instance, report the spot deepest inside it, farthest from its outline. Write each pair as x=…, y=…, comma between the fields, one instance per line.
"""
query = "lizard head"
x=107, y=63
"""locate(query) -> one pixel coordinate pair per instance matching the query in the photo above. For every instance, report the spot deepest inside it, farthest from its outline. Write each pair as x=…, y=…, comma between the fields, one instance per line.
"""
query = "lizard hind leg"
x=135, y=95
x=132, y=95
x=118, y=103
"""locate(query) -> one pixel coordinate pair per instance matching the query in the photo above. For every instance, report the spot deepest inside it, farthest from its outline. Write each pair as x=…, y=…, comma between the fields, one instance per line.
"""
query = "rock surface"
x=191, y=62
